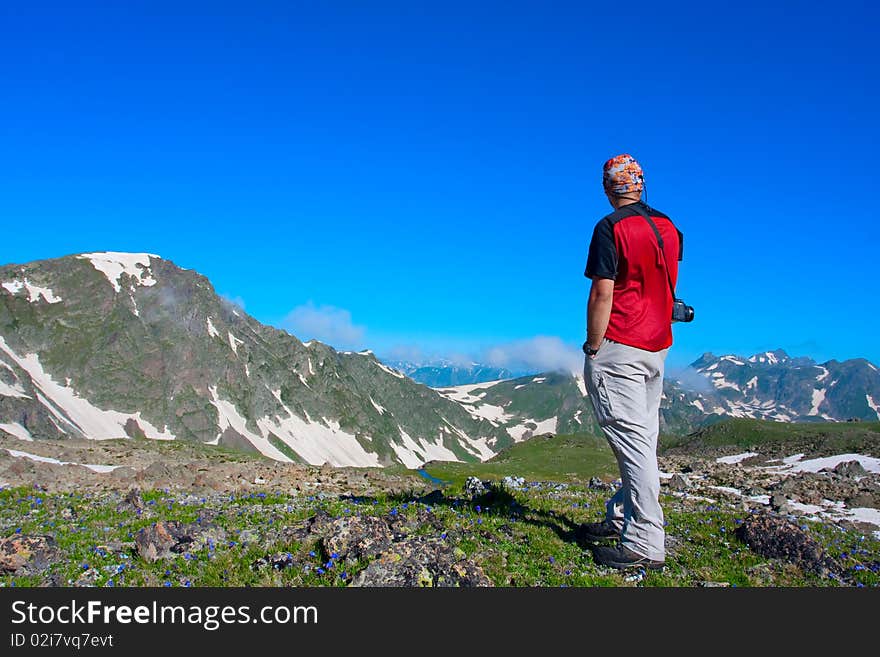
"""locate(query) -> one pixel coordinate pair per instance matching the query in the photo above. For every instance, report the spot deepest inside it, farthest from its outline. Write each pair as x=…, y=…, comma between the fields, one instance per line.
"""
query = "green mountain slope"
x=112, y=345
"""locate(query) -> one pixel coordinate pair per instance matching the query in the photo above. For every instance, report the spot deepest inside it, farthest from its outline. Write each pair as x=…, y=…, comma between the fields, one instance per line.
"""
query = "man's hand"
x=599, y=310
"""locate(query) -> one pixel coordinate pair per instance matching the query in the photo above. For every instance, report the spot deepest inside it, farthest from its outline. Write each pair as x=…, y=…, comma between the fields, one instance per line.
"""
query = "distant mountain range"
x=771, y=385
x=441, y=373
x=127, y=345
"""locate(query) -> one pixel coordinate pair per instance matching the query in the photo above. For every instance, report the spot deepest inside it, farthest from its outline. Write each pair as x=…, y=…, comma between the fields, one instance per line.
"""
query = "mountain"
x=773, y=385
x=114, y=345
x=528, y=406
x=770, y=386
x=443, y=373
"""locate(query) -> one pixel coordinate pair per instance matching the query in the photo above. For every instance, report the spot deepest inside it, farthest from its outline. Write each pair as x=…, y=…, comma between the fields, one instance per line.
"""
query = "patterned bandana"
x=622, y=174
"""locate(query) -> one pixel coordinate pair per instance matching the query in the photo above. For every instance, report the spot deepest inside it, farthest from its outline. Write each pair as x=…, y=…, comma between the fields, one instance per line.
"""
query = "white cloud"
x=542, y=353
x=326, y=324
x=237, y=302
x=689, y=379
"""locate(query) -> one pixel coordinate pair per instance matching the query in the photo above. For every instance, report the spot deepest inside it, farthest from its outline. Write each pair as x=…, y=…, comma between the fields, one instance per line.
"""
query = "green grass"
x=519, y=538
x=742, y=432
x=557, y=458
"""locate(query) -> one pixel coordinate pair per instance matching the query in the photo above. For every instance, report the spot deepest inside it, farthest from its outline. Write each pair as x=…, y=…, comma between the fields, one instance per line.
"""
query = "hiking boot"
x=622, y=557
x=598, y=531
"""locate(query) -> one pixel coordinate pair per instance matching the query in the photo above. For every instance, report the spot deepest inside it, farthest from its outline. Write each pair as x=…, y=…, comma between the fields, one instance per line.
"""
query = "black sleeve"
x=680, y=245
x=602, y=258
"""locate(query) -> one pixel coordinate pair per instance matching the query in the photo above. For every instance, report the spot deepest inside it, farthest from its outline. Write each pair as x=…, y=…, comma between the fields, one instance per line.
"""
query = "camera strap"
x=650, y=221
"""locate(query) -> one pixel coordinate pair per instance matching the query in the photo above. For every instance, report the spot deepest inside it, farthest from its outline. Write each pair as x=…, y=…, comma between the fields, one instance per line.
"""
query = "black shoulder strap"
x=639, y=210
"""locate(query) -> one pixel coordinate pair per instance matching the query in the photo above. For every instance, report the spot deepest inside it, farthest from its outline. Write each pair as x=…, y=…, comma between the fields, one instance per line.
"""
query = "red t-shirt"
x=624, y=249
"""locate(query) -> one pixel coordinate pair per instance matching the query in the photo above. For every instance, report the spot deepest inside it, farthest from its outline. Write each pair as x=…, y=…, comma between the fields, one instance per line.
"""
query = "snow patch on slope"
x=228, y=416
x=14, y=390
x=113, y=265
x=234, y=342
x=817, y=400
x=46, y=459
x=873, y=405
x=736, y=458
x=794, y=463
x=464, y=394
x=35, y=292
x=15, y=429
x=62, y=401
x=544, y=426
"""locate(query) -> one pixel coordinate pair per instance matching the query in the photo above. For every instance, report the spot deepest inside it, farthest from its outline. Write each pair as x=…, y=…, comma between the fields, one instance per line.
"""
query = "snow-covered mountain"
x=773, y=385
x=440, y=373
x=770, y=386
x=115, y=345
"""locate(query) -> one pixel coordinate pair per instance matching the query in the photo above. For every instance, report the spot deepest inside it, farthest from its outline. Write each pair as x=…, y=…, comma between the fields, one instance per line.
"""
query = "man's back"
x=624, y=248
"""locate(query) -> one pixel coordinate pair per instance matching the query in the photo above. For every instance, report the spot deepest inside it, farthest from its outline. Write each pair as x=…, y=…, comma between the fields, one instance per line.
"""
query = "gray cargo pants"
x=625, y=384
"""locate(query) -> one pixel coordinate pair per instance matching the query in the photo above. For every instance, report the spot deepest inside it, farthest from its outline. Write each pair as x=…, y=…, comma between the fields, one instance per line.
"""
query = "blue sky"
x=426, y=176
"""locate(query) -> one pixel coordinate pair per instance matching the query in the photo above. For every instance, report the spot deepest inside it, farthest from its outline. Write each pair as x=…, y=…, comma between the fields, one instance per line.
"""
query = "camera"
x=681, y=312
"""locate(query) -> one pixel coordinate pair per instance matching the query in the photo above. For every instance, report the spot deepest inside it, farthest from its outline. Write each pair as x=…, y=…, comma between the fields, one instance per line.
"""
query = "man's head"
x=623, y=180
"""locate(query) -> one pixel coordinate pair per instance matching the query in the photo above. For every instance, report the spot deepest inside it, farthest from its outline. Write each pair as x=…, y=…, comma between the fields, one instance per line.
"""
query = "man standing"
x=628, y=336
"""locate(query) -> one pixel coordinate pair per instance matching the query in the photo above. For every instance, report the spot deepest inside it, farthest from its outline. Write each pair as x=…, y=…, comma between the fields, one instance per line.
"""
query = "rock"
x=155, y=475
x=159, y=540
x=420, y=562
x=679, y=482
x=779, y=503
x=317, y=525
x=778, y=538
x=401, y=524
x=714, y=585
x=357, y=537
x=598, y=484
x=132, y=502
x=863, y=499
x=473, y=487
x=22, y=554
x=278, y=561
x=123, y=473
x=514, y=483
x=850, y=469
x=164, y=539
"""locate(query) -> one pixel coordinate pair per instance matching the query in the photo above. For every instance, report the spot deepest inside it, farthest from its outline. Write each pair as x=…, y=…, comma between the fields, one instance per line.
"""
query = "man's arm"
x=599, y=310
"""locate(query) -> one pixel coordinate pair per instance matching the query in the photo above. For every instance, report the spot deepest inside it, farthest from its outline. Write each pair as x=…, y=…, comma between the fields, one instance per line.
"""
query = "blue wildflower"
x=167, y=583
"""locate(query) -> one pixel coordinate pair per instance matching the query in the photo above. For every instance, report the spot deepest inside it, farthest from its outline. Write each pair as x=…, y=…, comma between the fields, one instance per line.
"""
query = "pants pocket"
x=602, y=403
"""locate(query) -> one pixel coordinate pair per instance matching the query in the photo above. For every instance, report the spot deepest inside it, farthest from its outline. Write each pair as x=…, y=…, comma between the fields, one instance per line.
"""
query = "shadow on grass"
x=500, y=502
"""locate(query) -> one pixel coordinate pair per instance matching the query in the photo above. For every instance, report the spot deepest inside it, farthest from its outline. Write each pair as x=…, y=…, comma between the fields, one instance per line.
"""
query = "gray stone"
x=422, y=562
x=21, y=554
x=679, y=482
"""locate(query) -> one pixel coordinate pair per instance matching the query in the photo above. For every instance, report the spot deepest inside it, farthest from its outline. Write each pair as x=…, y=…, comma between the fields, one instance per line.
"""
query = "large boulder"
x=165, y=539
x=357, y=537
x=422, y=561
x=21, y=554
x=778, y=538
